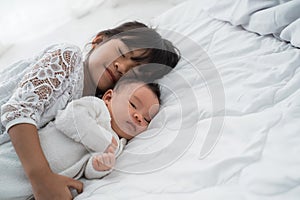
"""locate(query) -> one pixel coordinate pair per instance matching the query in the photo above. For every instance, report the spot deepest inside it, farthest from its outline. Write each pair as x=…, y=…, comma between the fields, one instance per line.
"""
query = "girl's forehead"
x=129, y=49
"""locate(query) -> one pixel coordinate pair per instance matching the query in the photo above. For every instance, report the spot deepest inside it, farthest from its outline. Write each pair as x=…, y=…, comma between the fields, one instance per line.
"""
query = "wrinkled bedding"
x=229, y=124
x=280, y=18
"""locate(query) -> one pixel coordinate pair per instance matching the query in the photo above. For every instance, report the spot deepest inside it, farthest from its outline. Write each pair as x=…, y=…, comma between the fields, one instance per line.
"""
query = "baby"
x=87, y=136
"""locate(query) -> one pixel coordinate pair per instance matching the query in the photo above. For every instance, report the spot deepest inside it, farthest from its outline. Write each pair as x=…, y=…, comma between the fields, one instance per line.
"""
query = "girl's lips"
x=111, y=75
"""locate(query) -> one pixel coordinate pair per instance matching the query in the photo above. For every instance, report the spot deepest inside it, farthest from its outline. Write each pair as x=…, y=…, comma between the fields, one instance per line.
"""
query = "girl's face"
x=131, y=108
x=109, y=61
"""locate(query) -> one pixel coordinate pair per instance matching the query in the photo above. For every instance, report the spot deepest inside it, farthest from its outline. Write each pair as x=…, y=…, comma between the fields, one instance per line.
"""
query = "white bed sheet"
x=229, y=127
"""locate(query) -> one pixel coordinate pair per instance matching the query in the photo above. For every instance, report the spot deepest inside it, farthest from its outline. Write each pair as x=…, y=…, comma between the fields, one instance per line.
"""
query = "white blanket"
x=229, y=126
x=280, y=18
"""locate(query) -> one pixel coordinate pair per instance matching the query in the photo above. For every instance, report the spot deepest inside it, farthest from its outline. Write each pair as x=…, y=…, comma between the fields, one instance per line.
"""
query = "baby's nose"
x=137, y=117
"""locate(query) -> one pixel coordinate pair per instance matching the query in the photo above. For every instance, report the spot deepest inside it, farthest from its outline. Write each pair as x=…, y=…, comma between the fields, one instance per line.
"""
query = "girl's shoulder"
x=68, y=54
x=63, y=47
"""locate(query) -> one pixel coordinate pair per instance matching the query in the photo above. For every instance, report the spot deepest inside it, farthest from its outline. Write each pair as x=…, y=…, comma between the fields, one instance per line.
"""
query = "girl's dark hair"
x=137, y=35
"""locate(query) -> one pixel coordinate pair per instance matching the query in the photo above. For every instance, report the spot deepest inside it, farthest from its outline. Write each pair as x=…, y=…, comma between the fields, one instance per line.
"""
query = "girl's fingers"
x=78, y=185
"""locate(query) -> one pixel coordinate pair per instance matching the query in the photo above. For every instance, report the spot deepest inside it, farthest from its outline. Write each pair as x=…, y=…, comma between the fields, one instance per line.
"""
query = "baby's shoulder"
x=90, y=102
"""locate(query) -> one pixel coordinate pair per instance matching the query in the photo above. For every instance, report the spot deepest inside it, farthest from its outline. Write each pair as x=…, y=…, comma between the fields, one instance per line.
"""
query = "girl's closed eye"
x=121, y=53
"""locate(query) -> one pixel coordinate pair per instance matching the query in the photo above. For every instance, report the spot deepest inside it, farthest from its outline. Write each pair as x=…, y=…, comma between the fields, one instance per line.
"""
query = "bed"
x=229, y=123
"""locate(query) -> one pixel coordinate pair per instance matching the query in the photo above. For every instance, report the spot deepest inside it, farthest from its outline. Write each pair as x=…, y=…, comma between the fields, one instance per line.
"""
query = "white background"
x=26, y=27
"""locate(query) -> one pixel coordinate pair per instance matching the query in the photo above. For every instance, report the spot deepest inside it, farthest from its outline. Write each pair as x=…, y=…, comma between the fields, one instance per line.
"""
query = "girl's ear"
x=107, y=96
x=97, y=40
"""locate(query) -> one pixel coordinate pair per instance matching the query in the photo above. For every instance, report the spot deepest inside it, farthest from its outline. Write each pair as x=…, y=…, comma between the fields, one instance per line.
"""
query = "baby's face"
x=131, y=107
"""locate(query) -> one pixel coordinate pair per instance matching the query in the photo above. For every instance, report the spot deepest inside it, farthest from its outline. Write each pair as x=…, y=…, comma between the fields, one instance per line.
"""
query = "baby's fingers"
x=110, y=149
x=98, y=163
x=108, y=159
x=104, y=161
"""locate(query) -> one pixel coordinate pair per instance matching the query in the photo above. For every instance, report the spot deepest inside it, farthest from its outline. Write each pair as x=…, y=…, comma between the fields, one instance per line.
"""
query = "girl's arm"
x=45, y=184
x=46, y=81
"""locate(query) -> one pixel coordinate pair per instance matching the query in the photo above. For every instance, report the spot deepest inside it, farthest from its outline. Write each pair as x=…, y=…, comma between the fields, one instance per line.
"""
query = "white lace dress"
x=33, y=90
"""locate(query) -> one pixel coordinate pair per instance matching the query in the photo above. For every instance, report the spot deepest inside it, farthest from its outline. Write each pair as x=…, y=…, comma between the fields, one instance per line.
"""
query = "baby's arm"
x=84, y=121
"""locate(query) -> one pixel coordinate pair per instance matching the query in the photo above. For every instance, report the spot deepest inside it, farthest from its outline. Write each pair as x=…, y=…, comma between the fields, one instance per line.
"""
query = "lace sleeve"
x=44, y=82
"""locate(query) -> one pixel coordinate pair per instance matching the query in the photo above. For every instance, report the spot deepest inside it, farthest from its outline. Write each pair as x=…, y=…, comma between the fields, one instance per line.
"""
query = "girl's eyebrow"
x=127, y=52
x=122, y=46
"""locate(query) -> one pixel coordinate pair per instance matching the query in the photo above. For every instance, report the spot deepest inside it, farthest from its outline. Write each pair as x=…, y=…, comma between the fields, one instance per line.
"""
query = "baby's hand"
x=112, y=147
x=104, y=161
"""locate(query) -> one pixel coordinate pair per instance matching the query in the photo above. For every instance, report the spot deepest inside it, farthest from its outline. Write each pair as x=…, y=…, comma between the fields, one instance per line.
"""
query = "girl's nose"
x=121, y=66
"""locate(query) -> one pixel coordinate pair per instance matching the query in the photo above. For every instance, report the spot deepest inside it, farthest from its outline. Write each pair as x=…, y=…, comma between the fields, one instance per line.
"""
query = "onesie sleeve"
x=87, y=121
x=91, y=173
x=44, y=81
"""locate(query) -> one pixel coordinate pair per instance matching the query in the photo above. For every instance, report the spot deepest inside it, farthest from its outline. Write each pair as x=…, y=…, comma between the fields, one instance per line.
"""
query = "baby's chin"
x=122, y=134
x=125, y=135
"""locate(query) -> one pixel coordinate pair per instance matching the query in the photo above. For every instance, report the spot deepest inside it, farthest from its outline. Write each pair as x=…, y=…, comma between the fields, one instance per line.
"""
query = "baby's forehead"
x=131, y=87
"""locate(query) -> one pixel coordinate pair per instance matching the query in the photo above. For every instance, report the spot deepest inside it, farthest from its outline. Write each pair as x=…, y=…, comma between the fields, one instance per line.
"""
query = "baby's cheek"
x=153, y=110
x=141, y=129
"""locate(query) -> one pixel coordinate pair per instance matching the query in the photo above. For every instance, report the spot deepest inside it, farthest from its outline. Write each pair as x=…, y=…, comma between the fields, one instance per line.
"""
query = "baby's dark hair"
x=137, y=35
x=154, y=87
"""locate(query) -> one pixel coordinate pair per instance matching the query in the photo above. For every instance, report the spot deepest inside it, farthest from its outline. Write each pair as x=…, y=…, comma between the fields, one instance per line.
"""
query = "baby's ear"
x=107, y=96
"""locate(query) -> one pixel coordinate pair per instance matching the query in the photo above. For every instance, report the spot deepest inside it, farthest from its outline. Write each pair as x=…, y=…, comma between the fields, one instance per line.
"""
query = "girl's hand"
x=46, y=185
x=103, y=162
x=54, y=187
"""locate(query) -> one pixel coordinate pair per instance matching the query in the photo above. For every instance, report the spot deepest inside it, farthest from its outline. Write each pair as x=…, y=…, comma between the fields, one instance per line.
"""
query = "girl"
x=34, y=90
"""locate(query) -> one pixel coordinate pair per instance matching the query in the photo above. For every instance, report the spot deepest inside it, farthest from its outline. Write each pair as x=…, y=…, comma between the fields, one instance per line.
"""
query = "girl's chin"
x=105, y=85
